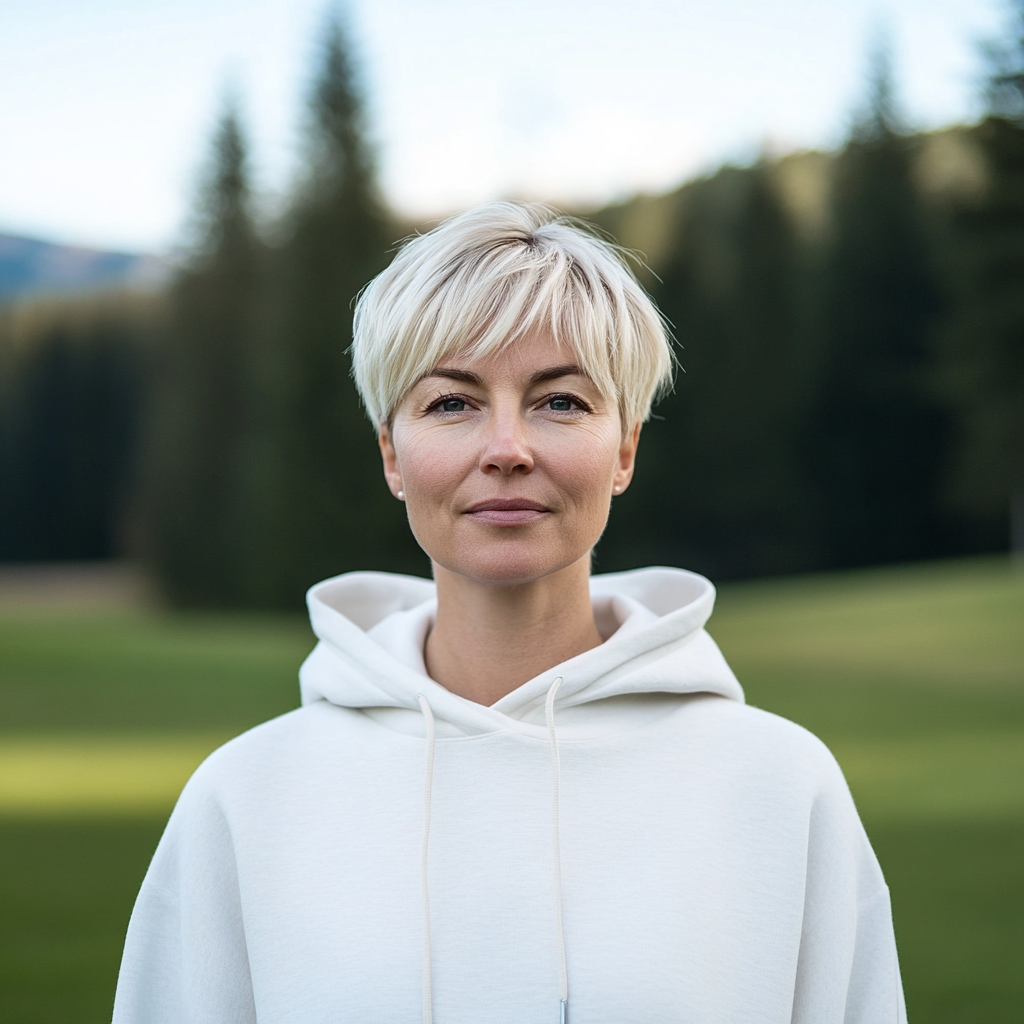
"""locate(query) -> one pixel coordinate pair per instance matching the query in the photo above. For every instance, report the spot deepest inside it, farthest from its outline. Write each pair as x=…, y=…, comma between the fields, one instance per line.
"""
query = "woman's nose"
x=506, y=447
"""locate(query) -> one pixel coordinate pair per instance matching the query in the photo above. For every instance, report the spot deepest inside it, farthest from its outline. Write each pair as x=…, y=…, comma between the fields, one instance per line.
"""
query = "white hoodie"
x=655, y=850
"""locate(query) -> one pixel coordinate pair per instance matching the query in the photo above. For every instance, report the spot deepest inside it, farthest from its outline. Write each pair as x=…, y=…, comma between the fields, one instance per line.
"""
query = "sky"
x=107, y=107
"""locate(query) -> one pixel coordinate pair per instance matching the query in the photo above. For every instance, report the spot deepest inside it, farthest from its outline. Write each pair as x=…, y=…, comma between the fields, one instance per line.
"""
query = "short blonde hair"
x=499, y=273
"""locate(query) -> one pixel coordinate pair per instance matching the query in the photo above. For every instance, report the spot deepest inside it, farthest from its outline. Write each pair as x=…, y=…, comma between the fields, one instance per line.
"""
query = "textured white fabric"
x=714, y=868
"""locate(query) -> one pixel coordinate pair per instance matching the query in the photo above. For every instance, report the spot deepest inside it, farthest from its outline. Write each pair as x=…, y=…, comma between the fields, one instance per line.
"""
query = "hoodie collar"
x=372, y=627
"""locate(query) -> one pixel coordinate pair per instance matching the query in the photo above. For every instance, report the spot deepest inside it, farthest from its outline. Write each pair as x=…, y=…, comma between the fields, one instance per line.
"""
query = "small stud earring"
x=616, y=488
x=400, y=495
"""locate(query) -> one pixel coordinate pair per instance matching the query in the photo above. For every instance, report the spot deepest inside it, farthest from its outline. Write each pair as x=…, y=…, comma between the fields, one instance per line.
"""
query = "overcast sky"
x=106, y=107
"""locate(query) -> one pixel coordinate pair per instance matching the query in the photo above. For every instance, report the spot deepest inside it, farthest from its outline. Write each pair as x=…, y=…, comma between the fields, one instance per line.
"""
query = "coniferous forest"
x=850, y=331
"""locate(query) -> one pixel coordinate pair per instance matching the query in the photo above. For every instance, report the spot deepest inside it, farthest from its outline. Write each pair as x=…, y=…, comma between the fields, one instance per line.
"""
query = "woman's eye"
x=452, y=405
x=561, y=403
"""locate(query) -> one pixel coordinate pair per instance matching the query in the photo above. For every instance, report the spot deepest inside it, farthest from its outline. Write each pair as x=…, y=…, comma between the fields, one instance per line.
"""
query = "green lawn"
x=62, y=672
x=914, y=677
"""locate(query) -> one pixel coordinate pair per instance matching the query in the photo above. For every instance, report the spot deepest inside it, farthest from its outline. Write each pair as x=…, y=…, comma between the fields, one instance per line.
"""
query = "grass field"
x=914, y=677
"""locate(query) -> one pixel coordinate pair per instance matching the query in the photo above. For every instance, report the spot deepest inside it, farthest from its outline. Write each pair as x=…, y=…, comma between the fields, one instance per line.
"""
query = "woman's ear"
x=392, y=474
x=627, y=460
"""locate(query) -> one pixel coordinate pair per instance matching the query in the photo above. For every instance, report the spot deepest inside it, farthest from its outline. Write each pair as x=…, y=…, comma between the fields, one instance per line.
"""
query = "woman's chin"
x=508, y=569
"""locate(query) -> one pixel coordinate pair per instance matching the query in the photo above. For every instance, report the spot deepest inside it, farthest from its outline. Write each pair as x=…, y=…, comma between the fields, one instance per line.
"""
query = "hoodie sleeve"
x=185, y=959
x=848, y=972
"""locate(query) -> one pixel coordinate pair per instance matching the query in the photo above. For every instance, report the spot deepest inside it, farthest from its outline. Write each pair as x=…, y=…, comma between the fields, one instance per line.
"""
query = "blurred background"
x=828, y=200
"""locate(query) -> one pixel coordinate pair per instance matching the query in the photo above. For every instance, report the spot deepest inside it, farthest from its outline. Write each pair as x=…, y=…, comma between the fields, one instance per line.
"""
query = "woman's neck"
x=489, y=639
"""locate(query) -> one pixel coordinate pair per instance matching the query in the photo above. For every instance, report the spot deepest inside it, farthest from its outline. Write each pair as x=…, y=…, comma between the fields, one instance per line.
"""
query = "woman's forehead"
x=524, y=353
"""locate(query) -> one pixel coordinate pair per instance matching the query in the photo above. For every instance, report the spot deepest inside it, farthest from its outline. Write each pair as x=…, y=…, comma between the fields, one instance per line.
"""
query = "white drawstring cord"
x=428, y=787
x=428, y=790
x=563, y=970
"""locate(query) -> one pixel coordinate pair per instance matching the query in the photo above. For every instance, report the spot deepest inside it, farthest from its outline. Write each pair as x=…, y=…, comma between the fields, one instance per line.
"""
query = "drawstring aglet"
x=563, y=1012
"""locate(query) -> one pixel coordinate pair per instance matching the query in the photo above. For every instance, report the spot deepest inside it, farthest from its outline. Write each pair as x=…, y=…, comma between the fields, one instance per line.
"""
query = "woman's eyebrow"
x=466, y=376
x=554, y=372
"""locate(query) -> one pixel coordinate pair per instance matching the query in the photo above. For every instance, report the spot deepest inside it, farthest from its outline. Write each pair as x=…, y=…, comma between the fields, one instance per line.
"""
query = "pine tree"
x=718, y=485
x=195, y=496
x=987, y=337
x=335, y=513
x=878, y=440
x=69, y=415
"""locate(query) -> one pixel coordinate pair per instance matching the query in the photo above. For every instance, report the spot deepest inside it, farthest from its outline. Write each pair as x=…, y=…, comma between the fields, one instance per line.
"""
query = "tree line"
x=851, y=342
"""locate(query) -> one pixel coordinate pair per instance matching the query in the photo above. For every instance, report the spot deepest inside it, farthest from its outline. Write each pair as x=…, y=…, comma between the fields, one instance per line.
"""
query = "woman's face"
x=508, y=464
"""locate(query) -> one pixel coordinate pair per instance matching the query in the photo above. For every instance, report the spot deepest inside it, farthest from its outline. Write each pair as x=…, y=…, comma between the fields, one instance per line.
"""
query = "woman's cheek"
x=586, y=470
x=430, y=465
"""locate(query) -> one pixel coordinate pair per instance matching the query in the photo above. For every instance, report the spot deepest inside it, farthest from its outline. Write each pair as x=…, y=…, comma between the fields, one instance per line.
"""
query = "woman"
x=516, y=793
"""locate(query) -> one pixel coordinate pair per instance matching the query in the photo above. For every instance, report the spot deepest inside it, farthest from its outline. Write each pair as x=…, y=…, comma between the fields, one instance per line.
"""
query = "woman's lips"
x=507, y=511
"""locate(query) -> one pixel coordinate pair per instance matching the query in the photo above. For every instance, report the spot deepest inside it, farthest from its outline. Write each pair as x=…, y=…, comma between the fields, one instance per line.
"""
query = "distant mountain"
x=31, y=266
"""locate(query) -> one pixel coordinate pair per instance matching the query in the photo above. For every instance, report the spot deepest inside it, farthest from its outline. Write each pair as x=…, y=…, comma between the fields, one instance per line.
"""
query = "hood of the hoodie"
x=371, y=628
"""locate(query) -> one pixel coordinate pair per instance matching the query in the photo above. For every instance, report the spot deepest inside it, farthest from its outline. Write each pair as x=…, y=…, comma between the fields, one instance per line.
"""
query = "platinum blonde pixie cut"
x=497, y=274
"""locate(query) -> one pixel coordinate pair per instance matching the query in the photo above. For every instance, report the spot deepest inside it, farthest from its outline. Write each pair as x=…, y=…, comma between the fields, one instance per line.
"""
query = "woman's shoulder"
x=272, y=751
x=759, y=738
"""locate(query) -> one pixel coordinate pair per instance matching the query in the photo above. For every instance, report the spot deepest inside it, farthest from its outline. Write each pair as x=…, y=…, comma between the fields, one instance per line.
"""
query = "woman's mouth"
x=507, y=511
